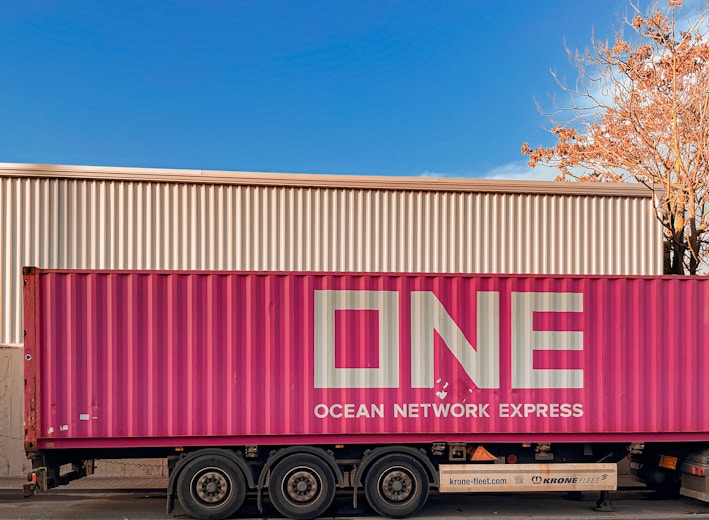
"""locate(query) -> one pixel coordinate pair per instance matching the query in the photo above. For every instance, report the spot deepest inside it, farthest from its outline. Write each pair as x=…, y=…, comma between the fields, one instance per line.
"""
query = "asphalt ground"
x=95, y=483
x=127, y=498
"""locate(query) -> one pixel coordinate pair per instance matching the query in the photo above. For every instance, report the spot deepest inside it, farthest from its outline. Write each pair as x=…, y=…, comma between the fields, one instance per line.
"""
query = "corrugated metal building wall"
x=124, y=218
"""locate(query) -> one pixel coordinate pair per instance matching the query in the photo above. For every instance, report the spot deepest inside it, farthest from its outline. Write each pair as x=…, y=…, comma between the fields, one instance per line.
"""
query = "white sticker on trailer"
x=480, y=478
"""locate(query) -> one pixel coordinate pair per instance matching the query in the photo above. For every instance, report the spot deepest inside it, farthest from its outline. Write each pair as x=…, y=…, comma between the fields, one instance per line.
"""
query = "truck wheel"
x=396, y=486
x=211, y=488
x=301, y=486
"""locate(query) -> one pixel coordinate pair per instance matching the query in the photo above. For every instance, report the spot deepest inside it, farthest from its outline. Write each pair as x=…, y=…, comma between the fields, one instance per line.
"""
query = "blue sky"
x=442, y=88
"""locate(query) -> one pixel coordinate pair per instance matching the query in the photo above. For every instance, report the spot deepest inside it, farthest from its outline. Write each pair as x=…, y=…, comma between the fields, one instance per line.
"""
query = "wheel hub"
x=396, y=486
x=302, y=486
x=211, y=487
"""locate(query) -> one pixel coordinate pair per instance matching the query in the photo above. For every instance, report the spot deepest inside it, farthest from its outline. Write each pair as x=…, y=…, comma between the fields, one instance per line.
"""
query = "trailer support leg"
x=29, y=489
x=604, y=503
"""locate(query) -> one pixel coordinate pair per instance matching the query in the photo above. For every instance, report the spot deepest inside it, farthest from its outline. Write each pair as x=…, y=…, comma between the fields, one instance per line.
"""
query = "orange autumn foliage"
x=640, y=112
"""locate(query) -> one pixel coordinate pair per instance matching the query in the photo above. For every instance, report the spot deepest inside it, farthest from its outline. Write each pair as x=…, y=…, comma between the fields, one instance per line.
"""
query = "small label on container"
x=84, y=417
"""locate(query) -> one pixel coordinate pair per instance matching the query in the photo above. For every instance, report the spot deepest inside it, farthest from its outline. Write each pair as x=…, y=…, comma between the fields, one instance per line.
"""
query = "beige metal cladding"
x=80, y=217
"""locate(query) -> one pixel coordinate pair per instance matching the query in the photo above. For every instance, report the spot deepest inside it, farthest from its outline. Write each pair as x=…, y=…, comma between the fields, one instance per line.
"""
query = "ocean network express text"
x=443, y=410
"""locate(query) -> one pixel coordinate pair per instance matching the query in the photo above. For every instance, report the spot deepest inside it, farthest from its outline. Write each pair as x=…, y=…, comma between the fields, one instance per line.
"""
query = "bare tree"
x=639, y=111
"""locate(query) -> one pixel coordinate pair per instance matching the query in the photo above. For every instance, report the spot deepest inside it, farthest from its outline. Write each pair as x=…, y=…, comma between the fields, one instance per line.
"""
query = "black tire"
x=301, y=486
x=211, y=487
x=396, y=486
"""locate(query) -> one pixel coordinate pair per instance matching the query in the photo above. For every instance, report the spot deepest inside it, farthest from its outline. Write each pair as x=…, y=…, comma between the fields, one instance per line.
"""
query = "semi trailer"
x=291, y=386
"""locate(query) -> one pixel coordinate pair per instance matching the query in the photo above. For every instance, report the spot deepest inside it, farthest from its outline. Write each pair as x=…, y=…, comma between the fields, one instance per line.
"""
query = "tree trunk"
x=674, y=252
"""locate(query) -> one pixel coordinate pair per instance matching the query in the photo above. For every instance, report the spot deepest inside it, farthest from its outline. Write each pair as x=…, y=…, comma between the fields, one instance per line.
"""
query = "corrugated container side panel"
x=105, y=224
x=130, y=355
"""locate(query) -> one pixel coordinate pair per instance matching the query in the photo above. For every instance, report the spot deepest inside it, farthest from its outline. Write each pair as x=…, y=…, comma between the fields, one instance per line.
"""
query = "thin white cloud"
x=432, y=174
x=519, y=171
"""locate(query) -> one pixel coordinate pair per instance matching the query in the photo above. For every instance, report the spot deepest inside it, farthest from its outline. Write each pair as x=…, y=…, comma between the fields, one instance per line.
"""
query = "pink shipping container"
x=163, y=360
